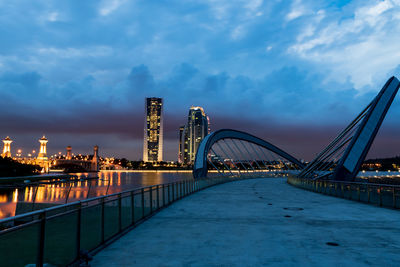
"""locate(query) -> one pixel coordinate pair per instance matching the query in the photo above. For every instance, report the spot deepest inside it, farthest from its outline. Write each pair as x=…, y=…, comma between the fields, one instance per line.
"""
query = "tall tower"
x=181, y=142
x=7, y=147
x=69, y=153
x=195, y=131
x=153, y=130
x=95, y=160
x=43, y=148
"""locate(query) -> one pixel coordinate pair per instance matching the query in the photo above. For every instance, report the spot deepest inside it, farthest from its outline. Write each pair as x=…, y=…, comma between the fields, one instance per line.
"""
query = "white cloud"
x=109, y=6
x=94, y=51
x=254, y=5
x=363, y=48
x=297, y=10
x=53, y=16
x=238, y=32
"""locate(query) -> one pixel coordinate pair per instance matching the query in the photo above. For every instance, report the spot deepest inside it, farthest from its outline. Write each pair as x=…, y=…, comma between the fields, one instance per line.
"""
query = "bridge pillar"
x=7, y=147
x=42, y=160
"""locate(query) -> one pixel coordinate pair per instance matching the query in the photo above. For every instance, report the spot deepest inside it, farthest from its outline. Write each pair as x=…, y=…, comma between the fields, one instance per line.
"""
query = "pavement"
x=260, y=222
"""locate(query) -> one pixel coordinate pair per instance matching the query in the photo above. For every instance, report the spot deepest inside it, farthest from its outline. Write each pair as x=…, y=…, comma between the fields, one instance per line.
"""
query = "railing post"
x=358, y=193
x=368, y=194
x=119, y=213
x=102, y=220
x=151, y=199
x=133, y=206
x=173, y=191
x=380, y=195
x=163, y=194
x=42, y=233
x=341, y=185
x=158, y=198
x=394, y=197
x=142, y=191
x=78, y=229
x=168, y=193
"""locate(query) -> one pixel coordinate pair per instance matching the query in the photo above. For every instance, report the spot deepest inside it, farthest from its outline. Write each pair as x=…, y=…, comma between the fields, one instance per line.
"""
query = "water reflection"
x=17, y=200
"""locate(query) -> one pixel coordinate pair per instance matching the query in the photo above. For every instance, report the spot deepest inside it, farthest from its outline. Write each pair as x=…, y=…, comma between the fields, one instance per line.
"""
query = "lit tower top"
x=43, y=148
x=69, y=153
x=7, y=147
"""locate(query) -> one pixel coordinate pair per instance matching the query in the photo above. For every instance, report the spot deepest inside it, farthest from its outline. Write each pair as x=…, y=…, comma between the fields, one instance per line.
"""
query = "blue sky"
x=292, y=72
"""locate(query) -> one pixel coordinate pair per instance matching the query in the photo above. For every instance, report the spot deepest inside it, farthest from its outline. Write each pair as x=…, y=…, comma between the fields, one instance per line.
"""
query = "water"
x=17, y=200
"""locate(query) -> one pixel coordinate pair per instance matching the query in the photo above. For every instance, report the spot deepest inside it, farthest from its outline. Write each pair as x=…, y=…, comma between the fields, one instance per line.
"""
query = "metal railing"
x=67, y=233
x=383, y=195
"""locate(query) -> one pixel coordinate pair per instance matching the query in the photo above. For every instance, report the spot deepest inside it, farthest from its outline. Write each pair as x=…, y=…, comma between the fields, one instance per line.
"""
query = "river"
x=104, y=182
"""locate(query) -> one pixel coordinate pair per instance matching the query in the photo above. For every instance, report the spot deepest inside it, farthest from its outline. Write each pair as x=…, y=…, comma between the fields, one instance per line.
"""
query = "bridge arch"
x=200, y=168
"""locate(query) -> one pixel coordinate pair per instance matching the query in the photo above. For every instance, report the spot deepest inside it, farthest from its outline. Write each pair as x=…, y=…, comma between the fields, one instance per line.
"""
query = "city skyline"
x=78, y=72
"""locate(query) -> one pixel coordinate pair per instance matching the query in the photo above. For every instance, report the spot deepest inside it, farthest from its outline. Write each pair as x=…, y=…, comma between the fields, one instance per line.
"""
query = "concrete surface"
x=246, y=223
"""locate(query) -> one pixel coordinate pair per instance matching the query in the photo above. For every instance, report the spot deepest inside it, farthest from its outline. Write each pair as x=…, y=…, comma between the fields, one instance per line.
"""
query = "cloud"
x=109, y=6
x=297, y=10
x=361, y=46
x=81, y=69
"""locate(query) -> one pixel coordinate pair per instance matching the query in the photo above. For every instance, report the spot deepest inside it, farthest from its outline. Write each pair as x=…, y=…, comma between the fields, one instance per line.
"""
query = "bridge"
x=262, y=217
x=77, y=164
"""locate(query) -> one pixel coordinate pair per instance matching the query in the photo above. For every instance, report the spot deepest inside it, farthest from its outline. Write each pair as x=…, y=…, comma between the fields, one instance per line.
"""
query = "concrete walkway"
x=260, y=222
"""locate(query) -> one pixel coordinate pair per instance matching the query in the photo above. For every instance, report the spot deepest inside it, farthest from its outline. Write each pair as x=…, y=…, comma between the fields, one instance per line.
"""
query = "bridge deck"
x=246, y=223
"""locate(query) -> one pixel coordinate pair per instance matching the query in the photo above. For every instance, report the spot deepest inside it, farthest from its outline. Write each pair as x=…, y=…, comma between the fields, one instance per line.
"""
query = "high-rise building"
x=153, y=130
x=194, y=132
x=180, y=150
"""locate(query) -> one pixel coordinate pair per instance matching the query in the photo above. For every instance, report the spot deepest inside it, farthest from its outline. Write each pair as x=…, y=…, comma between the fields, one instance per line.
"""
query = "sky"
x=291, y=72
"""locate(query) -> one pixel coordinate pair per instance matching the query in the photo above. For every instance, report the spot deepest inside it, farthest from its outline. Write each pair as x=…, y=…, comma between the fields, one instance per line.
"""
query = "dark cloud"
x=274, y=108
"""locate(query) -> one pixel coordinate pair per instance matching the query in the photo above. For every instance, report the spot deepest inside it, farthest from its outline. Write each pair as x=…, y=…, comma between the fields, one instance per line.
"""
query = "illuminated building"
x=153, y=130
x=194, y=132
x=42, y=160
x=7, y=147
x=180, y=150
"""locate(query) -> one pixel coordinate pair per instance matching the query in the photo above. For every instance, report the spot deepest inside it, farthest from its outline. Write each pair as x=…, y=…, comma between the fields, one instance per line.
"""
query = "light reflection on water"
x=108, y=182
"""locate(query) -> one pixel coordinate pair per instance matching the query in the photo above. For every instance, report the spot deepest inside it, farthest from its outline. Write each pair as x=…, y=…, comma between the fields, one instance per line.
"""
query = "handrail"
x=345, y=189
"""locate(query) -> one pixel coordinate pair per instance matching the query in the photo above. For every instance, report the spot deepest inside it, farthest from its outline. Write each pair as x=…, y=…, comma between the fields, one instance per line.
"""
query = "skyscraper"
x=153, y=130
x=180, y=151
x=193, y=133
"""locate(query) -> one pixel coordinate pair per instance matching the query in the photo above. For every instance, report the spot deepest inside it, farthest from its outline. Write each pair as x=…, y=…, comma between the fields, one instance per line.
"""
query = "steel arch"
x=200, y=164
